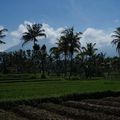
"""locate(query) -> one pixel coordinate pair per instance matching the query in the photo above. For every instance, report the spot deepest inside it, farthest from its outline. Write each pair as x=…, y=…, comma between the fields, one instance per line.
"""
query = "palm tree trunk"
x=71, y=65
x=43, y=70
x=4, y=67
x=65, y=68
x=34, y=43
x=43, y=76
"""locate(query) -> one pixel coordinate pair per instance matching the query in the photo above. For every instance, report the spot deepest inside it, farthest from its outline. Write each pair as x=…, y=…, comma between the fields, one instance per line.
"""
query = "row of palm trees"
x=68, y=48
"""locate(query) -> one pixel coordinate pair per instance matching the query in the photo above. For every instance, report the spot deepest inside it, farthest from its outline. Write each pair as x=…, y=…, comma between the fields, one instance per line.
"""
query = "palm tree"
x=90, y=52
x=63, y=46
x=90, y=49
x=34, y=31
x=101, y=57
x=43, y=60
x=116, y=40
x=55, y=54
x=73, y=44
x=2, y=35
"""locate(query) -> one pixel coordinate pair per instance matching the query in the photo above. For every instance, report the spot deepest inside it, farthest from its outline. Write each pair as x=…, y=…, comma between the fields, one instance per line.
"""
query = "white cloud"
x=21, y=29
x=100, y=37
x=52, y=34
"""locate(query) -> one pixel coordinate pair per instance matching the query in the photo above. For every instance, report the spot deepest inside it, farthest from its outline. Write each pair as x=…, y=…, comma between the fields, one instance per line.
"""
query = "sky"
x=97, y=19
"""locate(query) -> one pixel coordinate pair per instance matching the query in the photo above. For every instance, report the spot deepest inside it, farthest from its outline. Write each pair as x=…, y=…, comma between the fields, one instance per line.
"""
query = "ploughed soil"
x=88, y=106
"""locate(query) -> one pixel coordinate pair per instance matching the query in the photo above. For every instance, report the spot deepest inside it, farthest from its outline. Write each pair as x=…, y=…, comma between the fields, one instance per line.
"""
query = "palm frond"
x=34, y=31
x=1, y=42
x=116, y=40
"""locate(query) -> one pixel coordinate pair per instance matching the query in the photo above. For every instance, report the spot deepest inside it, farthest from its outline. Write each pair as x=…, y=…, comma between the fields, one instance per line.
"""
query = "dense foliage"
x=69, y=58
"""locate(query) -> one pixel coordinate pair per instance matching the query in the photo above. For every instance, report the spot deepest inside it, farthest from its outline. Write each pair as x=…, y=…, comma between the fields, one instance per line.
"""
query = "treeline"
x=84, y=64
x=69, y=58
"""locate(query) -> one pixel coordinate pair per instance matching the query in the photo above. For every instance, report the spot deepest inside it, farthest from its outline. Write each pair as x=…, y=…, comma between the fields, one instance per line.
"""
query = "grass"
x=46, y=88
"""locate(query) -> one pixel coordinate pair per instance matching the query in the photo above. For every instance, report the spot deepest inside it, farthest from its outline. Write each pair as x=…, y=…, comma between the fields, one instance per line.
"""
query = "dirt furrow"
x=103, y=102
x=6, y=115
x=79, y=114
x=94, y=108
x=38, y=114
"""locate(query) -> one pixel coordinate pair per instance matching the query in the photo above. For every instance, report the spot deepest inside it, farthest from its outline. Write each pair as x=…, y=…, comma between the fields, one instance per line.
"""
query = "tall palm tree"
x=2, y=35
x=73, y=43
x=63, y=46
x=34, y=31
x=116, y=39
x=90, y=52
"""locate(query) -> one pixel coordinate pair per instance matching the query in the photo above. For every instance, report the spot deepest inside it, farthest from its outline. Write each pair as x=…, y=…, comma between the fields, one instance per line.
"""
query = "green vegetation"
x=67, y=68
x=67, y=58
x=64, y=82
x=36, y=88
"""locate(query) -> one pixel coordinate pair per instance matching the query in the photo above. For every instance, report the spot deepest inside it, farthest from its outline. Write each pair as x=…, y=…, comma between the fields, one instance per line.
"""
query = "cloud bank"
x=102, y=38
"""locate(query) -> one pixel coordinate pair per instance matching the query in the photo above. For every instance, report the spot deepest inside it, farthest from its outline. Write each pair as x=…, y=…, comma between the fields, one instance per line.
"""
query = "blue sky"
x=99, y=16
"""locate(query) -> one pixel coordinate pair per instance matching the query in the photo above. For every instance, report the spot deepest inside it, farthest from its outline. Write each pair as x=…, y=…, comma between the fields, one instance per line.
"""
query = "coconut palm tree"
x=73, y=44
x=116, y=39
x=90, y=50
x=2, y=35
x=33, y=33
x=63, y=46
